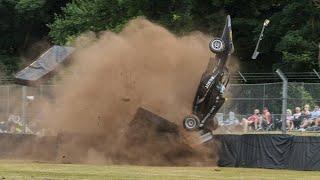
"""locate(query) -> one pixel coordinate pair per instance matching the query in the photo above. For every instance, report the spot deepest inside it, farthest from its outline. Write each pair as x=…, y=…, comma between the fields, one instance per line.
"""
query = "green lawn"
x=27, y=170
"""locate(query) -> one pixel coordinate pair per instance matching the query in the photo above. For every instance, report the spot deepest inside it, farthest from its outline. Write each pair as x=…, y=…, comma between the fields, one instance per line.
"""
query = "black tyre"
x=191, y=122
x=211, y=124
x=217, y=45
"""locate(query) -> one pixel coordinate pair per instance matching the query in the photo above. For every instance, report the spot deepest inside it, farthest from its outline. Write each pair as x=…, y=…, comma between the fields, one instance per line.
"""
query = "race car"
x=209, y=96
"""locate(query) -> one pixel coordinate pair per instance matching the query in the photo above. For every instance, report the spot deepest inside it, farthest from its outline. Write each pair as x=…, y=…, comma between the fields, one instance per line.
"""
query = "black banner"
x=269, y=151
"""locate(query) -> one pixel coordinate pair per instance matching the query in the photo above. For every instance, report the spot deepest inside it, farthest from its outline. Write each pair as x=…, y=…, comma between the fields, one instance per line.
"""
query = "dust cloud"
x=142, y=66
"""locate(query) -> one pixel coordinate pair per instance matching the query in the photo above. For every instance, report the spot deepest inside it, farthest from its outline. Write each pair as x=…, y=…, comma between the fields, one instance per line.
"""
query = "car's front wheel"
x=191, y=122
x=217, y=45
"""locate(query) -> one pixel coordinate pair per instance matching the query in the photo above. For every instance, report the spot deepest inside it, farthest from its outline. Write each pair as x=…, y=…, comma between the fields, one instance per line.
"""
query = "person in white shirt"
x=231, y=120
x=289, y=118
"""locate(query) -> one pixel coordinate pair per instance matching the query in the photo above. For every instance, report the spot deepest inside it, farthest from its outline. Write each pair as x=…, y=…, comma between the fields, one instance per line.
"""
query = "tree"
x=176, y=15
x=81, y=16
x=295, y=36
x=22, y=23
x=290, y=42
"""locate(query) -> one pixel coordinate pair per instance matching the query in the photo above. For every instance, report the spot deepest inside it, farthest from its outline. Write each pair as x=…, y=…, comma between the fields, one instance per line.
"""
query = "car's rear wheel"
x=211, y=124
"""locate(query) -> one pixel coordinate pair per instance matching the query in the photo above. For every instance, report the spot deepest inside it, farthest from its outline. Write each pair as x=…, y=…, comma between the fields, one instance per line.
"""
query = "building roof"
x=44, y=66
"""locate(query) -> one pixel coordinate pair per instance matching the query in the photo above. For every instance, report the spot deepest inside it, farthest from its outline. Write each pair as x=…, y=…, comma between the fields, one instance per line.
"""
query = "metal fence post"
x=23, y=108
x=284, y=99
x=8, y=101
x=41, y=91
x=264, y=96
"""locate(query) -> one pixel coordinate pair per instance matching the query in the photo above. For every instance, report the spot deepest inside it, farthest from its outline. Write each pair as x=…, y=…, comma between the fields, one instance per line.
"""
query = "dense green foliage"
x=290, y=42
x=23, y=23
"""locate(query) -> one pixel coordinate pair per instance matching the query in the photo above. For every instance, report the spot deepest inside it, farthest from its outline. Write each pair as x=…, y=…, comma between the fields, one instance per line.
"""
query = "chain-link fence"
x=19, y=105
x=244, y=98
x=21, y=102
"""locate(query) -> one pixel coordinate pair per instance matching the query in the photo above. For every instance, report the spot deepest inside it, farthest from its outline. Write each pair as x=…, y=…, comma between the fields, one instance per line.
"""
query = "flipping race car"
x=209, y=97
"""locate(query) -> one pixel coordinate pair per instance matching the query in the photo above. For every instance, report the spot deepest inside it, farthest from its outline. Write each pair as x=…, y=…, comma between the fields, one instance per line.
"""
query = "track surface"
x=31, y=170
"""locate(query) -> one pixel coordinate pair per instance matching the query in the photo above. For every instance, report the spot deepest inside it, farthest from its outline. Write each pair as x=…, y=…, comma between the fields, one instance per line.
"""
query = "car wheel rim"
x=190, y=123
x=217, y=45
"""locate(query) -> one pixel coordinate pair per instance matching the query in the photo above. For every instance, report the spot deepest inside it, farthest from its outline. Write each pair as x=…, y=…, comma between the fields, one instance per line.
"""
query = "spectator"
x=311, y=120
x=266, y=119
x=297, y=118
x=289, y=119
x=316, y=126
x=305, y=115
x=306, y=111
x=315, y=113
x=3, y=126
x=14, y=124
x=317, y=122
x=231, y=120
x=253, y=120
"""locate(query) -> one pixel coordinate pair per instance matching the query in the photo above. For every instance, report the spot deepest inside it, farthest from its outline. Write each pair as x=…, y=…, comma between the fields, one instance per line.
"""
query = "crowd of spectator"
x=14, y=125
x=304, y=119
x=299, y=120
x=258, y=121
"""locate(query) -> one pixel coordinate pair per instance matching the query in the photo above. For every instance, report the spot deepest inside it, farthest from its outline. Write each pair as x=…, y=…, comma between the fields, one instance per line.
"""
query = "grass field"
x=28, y=170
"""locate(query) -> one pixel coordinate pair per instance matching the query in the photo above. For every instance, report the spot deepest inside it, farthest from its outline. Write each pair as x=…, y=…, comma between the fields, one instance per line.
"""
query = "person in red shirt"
x=252, y=120
x=266, y=119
